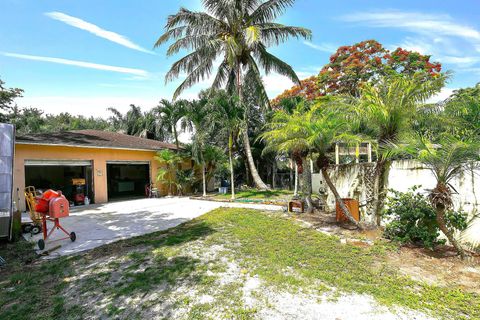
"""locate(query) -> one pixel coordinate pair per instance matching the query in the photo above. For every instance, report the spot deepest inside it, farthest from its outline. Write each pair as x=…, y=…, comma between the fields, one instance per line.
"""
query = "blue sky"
x=85, y=56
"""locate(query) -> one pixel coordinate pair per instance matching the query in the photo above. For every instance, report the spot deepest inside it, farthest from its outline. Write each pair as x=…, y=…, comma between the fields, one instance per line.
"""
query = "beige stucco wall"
x=98, y=156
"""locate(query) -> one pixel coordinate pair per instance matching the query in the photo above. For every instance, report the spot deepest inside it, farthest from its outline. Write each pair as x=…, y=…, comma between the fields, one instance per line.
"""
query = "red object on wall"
x=44, y=199
x=58, y=207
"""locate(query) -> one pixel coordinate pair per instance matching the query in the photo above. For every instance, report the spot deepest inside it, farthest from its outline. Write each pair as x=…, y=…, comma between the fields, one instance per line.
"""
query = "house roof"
x=94, y=139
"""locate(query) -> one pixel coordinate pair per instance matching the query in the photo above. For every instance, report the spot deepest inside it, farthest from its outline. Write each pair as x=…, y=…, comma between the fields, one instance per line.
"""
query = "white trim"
x=53, y=162
x=128, y=162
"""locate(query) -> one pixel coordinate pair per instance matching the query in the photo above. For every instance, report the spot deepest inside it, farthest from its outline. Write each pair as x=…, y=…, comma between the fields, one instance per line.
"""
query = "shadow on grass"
x=37, y=288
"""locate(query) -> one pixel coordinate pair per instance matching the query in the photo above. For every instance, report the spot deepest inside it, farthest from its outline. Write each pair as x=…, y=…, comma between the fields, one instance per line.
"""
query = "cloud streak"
x=440, y=24
x=324, y=47
x=82, y=64
x=96, y=30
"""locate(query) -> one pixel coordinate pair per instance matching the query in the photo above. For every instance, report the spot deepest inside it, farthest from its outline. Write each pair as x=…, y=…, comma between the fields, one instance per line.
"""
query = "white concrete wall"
x=350, y=181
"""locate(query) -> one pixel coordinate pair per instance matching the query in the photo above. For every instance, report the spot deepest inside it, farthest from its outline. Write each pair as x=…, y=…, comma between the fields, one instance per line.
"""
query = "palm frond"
x=270, y=10
x=271, y=63
x=276, y=33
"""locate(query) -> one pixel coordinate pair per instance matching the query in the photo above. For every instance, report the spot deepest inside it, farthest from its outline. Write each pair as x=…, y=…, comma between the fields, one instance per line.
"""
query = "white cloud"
x=82, y=64
x=324, y=47
x=438, y=24
x=96, y=30
x=440, y=50
x=442, y=95
x=463, y=61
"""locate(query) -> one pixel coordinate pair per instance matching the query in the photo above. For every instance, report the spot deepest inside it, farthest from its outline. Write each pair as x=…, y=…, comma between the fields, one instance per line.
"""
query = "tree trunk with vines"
x=440, y=211
x=339, y=200
x=380, y=188
x=307, y=185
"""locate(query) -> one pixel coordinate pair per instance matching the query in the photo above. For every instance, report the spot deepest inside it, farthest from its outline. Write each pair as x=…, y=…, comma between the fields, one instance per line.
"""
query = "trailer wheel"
x=73, y=236
x=27, y=228
x=35, y=230
x=41, y=244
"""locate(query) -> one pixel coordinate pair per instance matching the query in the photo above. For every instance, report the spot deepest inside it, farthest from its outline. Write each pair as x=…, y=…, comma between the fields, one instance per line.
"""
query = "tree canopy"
x=366, y=61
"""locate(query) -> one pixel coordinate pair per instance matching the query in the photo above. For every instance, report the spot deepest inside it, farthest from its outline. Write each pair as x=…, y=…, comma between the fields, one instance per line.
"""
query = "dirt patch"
x=441, y=267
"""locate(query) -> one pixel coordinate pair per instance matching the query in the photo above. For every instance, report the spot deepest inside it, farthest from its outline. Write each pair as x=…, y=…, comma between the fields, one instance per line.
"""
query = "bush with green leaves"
x=412, y=219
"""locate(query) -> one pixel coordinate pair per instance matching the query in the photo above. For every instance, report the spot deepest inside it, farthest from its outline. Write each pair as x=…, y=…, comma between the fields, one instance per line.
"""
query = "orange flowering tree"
x=308, y=89
x=352, y=65
x=368, y=60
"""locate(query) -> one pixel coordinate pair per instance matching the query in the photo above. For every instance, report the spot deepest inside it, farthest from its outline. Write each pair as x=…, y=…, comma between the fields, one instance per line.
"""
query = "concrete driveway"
x=96, y=225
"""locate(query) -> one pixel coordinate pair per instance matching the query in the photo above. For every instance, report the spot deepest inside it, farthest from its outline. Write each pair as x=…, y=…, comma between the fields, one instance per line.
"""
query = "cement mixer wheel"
x=36, y=229
x=41, y=244
x=73, y=236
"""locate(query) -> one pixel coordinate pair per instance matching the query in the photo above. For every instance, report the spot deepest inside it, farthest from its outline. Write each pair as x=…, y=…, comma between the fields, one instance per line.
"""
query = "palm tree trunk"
x=170, y=182
x=204, y=183
x=175, y=134
x=230, y=158
x=380, y=186
x=274, y=174
x=295, y=193
x=259, y=184
x=342, y=205
x=257, y=180
x=291, y=177
x=440, y=212
x=307, y=185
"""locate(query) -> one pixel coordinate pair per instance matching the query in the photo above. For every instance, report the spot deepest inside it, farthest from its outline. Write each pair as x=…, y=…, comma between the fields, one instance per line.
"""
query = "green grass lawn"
x=258, y=195
x=165, y=273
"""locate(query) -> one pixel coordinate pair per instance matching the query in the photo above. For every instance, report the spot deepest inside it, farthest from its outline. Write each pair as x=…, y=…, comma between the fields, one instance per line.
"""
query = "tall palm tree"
x=170, y=113
x=238, y=32
x=447, y=159
x=227, y=112
x=311, y=133
x=387, y=108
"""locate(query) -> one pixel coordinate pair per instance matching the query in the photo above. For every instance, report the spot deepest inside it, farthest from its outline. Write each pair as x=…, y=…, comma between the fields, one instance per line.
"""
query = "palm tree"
x=447, y=159
x=131, y=123
x=227, y=112
x=195, y=121
x=167, y=174
x=170, y=113
x=387, y=108
x=311, y=133
x=214, y=157
x=238, y=31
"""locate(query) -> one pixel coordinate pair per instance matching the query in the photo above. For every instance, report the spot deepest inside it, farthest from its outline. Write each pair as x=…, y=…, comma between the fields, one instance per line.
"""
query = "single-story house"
x=112, y=165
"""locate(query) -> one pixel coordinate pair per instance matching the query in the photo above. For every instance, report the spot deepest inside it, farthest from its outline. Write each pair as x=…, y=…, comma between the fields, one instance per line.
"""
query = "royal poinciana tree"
x=308, y=89
x=366, y=61
x=237, y=32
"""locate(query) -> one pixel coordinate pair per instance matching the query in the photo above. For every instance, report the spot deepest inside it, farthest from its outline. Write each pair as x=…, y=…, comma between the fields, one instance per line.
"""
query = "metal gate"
x=7, y=145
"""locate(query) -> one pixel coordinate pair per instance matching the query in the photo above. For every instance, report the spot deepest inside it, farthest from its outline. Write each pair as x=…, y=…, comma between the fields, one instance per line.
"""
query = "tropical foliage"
x=311, y=133
x=238, y=32
x=386, y=110
x=447, y=158
x=166, y=173
x=412, y=219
